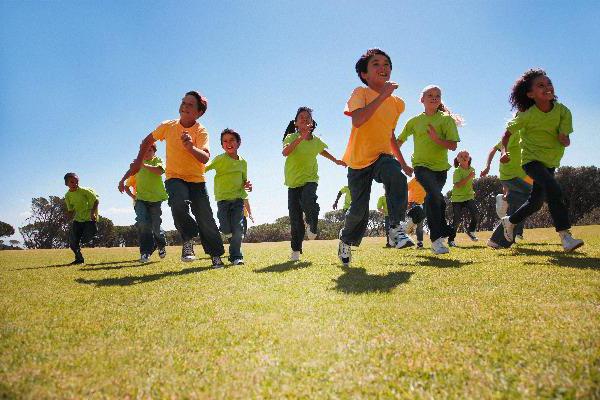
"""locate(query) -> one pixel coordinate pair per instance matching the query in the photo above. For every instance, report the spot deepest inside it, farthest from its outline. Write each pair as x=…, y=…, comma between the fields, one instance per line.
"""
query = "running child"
x=545, y=126
x=148, y=194
x=187, y=155
x=301, y=148
x=231, y=183
x=370, y=153
x=347, y=199
x=82, y=207
x=463, y=196
x=434, y=133
x=415, y=214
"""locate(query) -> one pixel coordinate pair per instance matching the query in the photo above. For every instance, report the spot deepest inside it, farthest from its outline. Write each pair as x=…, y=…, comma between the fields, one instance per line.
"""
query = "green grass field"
x=478, y=323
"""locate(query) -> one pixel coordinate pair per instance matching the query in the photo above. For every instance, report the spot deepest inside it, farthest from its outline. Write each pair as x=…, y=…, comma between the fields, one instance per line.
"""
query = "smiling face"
x=72, y=182
x=463, y=159
x=432, y=98
x=230, y=144
x=541, y=90
x=378, y=72
x=149, y=153
x=304, y=121
x=188, y=110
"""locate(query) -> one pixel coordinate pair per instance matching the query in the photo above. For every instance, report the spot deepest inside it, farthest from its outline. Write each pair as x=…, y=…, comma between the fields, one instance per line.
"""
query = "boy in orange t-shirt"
x=370, y=153
x=416, y=214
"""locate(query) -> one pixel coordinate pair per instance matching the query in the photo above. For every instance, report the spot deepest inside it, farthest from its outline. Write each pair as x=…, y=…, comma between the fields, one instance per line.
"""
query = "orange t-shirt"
x=373, y=137
x=180, y=163
x=416, y=193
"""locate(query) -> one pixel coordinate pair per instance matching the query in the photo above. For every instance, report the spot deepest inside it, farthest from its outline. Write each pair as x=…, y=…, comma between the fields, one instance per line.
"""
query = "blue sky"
x=81, y=83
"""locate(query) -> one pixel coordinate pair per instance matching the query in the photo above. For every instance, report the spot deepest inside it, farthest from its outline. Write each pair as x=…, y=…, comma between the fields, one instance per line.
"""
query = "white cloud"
x=118, y=210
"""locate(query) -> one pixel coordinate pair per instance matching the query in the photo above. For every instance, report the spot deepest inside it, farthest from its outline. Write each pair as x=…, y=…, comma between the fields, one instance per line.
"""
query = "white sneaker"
x=410, y=226
x=438, y=247
x=310, y=235
x=344, y=253
x=187, y=251
x=569, y=242
x=472, y=236
x=295, y=256
x=501, y=206
x=398, y=238
x=238, y=261
x=145, y=258
x=217, y=262
x=509, y=228
x=493, y=244
x=519, y=238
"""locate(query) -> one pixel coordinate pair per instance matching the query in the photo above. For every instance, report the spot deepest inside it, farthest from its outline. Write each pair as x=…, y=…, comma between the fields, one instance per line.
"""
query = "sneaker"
x=569, y=242
x=344, y=253
x=295, y=256
x=519, y=238
x=217, y=262
x=410, y=226
x=452, y=243
x=472, y=236
x=238, y=261
x=77, y=261
x=187, y=251
x=310, y=235
x=501, y=206
x=398, y=238
x=145, y=258
x=420, y=246
x=508, y=229
x=162, y=252
x=438, y=247
x=493, y=244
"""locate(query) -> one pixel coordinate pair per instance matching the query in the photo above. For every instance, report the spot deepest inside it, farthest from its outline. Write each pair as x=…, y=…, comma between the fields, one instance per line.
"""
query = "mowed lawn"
x=477, y=323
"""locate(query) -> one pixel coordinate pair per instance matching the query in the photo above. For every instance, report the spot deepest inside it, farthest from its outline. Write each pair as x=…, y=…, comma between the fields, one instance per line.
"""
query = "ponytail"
x=291, y=128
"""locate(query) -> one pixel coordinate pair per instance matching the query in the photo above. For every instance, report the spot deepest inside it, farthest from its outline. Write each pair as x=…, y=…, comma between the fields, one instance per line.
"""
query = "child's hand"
x=504, y=158
x=484, y=172
x=93, y=216
x=432, y=132
x=186, y=139
x=340, y=162
x=408, y=170
x=472, y=174
x=388, y=88
x=121, y=186
x=564, y=139
x=248, y=186
x=251, y=217
x=335, y=205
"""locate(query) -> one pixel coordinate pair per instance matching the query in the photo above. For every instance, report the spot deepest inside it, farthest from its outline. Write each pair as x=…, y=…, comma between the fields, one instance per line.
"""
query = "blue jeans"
x=386, y=169
x=518, y=191
x=231, y=219
x=184, y=196
x=435, y=204
x=147, y=218
x=302, y=199
x=544, y=186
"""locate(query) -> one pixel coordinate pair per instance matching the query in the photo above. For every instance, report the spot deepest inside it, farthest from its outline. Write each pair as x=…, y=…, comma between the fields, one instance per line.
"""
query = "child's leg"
x=206, y=226
x=296, y=220
x=472, y=207
x=144, y=227
x=419, y=231
x=456, y=219
x=387, y=170
x=435, y=204
x=308, y=202
x=357, y=217
x=179, y=197
x=236, y=214
x=223, y=207
x=74, y=239
x=245, y=225
x=155, y=216
x=517, y=193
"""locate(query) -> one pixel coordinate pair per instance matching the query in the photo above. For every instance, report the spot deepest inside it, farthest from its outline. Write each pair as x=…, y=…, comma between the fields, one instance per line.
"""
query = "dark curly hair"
x=229, y=131
x=363, y=61
x=518, y=96
x=202, y=102
x=291, y=128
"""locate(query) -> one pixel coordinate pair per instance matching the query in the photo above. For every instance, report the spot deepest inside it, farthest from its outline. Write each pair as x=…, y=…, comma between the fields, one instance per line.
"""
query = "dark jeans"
x=386, y=169
x=81, y=232
x=518, y=191
x=147, y=218
x=435, y=205
x=419, y=225
x=245, y=225
x=544, y=186
x=184, y=196
x=302, y=199
x=457, y=210
x=231, y=215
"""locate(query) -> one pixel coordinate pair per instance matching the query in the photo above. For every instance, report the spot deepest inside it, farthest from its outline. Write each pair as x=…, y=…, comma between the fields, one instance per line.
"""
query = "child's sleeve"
x=450, y=130
x=131, y=181
x=566, y=121
x=400, y=106
x=323, y=145
x=200, y=140
x=289, y=139
x=213, y=164
x=356, y=101
x=516, y=123
x=406, y=132
x=161, y=131
x=92, y=196
x=68, y=203
x=244, y=171
x=158, y=162
x=456, y=177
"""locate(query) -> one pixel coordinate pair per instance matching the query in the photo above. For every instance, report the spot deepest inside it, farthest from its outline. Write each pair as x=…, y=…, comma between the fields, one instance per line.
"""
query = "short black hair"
x=363, y=61
x=201, y=100
x=70, y=175
x=229, y=131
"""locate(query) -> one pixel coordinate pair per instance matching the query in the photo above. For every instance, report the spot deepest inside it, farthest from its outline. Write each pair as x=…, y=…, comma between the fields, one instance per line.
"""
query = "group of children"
x=531, y=149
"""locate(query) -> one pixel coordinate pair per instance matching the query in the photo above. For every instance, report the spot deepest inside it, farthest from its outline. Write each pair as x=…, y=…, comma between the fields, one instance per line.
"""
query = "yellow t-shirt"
x=180, y=163
x=416, y=193
x=372, y=139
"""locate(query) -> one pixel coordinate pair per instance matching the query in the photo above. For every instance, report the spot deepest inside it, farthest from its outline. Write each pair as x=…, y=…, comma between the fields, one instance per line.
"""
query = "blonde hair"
x=458, y=119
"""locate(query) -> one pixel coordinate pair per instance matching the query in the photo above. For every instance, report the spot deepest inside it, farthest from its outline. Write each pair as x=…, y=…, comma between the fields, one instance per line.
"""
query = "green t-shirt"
x=347, y=197
x=539, y=133
x=466, y=192
x=148, y=185
x=512, y=169
x=230, y=177
x=81, y=201
x=301, y=164
x=382, y=203
x=427, y=153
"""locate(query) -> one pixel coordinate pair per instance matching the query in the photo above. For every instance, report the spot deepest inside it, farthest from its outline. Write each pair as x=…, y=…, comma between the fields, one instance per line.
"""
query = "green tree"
x=6, y=229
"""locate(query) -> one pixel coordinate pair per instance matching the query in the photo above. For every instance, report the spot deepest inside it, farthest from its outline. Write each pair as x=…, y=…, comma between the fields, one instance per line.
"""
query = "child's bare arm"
x=449, y=144
x=135, y=166
x=490, y=157
x=362, y=115
x=335, y=203
x=94, y=212
x=156, y=170
x=129, y=192
x=287, y=150
x=202, y=155
x=328, y=156
x=465, y=180
x=398, y=154
x=504, y=158
x=565, y=140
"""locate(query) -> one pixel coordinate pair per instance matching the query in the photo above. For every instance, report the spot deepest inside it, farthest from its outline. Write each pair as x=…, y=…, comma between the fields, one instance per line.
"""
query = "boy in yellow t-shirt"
x=187, y=155
x=82, y=206
x=370, y=153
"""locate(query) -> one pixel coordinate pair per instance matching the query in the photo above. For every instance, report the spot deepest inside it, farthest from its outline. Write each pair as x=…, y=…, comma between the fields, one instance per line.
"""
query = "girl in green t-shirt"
x=545, y=126
x=463, y=196
x=301, y=147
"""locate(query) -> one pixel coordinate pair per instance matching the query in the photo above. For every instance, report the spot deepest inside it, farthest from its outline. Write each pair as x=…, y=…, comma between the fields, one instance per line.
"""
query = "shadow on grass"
x=440, y=262
x=356, y=280
x=46, y=266
x=284, y=267
x=561, y=259
x=135, y=280
x=134, y=264
x=111, y=262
